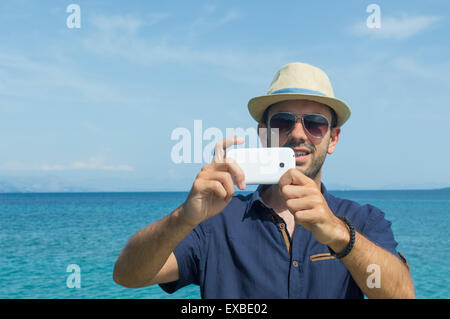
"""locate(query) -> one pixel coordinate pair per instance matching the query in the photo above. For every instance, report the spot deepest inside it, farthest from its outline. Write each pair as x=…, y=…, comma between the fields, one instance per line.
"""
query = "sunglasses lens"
x=284, y=122
x=316, y=125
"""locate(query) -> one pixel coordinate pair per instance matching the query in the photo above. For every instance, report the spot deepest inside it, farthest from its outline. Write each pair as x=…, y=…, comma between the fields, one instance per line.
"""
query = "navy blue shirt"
x=241, y=253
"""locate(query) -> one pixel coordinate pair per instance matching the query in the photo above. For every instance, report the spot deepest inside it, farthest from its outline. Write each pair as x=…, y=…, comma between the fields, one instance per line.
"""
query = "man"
x=289, y=240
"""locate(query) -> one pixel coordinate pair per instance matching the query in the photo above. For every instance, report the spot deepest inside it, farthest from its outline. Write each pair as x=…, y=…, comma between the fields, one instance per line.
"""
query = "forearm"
x=148, y=249
x=395, y=279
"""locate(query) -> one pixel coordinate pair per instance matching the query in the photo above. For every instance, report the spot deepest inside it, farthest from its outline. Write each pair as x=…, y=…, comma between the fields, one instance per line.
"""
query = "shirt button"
x=295, y=263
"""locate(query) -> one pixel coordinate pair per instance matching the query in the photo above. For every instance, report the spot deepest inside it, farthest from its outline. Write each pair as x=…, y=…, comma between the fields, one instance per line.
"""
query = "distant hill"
x=339, y=187
x=52, y=183
x=46, y=184
x=6, y=187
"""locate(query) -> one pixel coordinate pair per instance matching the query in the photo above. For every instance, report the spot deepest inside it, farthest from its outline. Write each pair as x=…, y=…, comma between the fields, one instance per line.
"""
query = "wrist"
x=181, y=216
x=344, y=238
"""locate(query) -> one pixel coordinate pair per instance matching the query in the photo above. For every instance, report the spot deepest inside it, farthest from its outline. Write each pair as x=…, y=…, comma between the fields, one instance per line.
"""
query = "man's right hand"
x=213, y=187
x=148, y=257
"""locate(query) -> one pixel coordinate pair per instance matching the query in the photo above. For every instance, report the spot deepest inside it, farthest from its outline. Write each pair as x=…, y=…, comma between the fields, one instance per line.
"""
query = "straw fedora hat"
x=299, y=81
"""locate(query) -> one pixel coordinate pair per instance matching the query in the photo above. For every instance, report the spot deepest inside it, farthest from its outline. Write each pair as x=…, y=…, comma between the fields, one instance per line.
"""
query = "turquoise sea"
x=43, y=233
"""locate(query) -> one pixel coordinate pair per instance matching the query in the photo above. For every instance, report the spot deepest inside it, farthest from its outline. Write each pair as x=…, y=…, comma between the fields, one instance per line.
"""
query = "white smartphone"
x=263, y=165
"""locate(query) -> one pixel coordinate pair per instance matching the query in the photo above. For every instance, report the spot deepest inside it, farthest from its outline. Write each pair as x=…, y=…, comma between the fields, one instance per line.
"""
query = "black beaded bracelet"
x=350, y=245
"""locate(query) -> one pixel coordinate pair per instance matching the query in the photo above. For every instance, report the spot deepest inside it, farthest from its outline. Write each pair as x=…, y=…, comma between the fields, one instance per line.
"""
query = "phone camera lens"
x=281, y=164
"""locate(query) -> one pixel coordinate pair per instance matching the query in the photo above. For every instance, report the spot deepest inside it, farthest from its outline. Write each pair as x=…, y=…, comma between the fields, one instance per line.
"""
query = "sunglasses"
x=315, y=125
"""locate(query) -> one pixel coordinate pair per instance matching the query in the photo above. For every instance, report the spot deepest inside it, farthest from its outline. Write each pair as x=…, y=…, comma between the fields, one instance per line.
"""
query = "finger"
x=295, y=177
x=306, y=218
x=207, y=167
x=299, y=204
x=224, y=178
x=234, y=169
x=215, y=186
x=294, y=191
x=298, y=191
x=222, y=145
x=231, y=166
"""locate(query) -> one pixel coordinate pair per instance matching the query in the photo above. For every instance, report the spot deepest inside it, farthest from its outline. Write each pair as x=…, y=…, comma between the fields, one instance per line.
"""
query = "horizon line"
x=236, y=192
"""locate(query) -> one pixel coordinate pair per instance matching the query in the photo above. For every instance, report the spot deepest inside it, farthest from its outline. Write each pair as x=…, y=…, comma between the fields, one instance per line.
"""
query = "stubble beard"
x=317, y=159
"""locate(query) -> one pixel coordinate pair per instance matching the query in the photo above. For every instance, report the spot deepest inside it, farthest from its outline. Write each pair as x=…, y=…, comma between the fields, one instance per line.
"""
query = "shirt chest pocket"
x=321, y=257
x=325, y=266
x=328, y=276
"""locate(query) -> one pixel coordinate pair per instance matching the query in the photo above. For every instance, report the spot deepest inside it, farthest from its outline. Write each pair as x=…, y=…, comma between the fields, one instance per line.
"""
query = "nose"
x=298, y=132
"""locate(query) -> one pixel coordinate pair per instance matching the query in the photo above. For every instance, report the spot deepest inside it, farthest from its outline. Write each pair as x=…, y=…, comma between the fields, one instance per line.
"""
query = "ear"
x=262, y=133
x=335, y=132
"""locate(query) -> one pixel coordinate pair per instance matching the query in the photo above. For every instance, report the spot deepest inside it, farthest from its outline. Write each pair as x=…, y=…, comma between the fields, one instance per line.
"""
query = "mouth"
x=301, y=154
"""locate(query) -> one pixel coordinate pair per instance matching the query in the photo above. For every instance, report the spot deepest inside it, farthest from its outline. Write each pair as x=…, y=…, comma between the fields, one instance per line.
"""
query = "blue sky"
x=94, y=108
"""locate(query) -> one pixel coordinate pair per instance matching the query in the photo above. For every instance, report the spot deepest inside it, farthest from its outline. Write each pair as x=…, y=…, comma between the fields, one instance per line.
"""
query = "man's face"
x=301, y=141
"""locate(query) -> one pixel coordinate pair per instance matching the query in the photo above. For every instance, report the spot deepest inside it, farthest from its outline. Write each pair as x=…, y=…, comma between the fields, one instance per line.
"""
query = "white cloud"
x=126, y=23
x=209, y=21
x=94, y=163
x=230, y=16
x=146, y=51
x=25, y=76
x=433, y=71
x=12, y=166
x=402, y=27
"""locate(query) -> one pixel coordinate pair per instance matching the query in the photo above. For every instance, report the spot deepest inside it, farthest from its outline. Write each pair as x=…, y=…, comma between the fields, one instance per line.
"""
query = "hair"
x=266, y=113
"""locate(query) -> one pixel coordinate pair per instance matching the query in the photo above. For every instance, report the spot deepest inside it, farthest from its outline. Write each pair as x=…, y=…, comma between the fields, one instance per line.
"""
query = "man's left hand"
x=310, y=209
